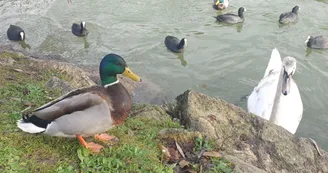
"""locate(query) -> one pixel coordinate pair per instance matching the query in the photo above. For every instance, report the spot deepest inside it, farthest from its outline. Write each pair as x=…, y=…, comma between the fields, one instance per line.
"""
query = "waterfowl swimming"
x=220, y=4
x=289, y=17
x=15, y=33
x=86, y=111
x=318, y=42
x=232, y=18
x=174, y=44
x=79, y=29
x=276, y=98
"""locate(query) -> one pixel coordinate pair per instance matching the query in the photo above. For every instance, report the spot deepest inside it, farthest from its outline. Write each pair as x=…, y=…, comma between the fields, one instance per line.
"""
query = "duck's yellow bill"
x=217, y=2
x=127, y=72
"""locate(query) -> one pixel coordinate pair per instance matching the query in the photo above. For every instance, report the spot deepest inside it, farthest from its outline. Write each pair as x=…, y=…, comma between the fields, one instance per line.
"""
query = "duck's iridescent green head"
x=219, y=1
x=112, y=65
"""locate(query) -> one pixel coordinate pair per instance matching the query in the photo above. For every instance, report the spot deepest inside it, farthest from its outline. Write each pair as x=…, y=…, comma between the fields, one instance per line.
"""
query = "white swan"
x=276, y=97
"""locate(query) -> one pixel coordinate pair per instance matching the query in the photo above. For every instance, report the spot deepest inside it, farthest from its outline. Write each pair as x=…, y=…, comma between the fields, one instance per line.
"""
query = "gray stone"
x=243, y=167
x=7, y=61
x=56, y=83
x=247, y=137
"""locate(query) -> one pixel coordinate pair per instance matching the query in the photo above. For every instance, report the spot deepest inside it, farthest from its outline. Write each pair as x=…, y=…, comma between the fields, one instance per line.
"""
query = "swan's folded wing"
x=260, y=102
x=274, y=62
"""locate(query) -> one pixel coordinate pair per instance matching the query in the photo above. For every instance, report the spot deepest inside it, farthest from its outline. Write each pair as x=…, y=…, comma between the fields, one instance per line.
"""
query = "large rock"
x=56, y=83
x=248, y=137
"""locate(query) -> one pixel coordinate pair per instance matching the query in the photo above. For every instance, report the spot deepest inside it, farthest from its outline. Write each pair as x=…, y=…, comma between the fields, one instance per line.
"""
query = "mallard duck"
x=79, y=29
x=220, y=4
x=174, y=44
x=86, y=111
x=15, y=33
x=318, y=42
x=276, y=98
x=232, y=18
x=289, y=17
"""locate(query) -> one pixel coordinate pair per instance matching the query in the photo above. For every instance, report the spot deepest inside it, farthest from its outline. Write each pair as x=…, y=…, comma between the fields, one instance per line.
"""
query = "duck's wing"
x=76, y=100
x=261, y=100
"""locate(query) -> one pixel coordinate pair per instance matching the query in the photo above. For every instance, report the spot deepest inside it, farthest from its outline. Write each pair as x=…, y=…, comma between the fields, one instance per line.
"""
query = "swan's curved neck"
x=275, y=107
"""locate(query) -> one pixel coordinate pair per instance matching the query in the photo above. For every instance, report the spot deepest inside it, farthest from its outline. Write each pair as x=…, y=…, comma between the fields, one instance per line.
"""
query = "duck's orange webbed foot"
x=105, y=137
x=90, y=146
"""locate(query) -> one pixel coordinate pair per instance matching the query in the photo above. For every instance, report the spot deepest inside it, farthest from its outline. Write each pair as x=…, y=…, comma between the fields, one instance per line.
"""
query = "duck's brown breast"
x=121, y=102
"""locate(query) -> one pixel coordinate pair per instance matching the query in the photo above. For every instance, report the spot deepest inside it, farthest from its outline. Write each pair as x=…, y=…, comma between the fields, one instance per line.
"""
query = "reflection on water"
x=180, y=57
x=24, y=45
x=183, y=61
x=86, y=44
x=308, y=51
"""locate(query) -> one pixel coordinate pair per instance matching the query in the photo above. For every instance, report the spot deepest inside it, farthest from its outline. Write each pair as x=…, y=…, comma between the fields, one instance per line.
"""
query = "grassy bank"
x=23, y=84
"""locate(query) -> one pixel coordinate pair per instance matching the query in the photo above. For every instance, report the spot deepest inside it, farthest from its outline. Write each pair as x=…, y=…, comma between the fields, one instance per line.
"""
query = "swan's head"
x=289, y=68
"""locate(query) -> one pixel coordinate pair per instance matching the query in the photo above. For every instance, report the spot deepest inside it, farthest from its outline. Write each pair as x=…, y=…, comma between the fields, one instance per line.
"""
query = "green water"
x=221, y=61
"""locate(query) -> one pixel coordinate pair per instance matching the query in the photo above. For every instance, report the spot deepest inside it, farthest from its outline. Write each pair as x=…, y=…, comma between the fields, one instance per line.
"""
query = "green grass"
x=21, y=152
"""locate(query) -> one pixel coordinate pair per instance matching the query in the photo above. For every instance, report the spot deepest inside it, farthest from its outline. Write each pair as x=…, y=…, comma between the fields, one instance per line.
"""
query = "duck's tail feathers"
x=29, y=127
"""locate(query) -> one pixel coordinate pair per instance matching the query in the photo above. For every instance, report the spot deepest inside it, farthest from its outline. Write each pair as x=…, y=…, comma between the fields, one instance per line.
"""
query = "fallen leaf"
x=26, y=92
x=212, y=154
x=165, y=152
x=130, y=132
x=174, y=154
x=180, y=150
x=15, y=99
x=50, y=98
x=203, y=86
x=9, y=78
x=28, y=104
x=184, y=163
x=18, y=70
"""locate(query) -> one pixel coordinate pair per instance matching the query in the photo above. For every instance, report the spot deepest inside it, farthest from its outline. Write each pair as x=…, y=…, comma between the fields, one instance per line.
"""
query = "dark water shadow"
x=180, y=56
x=86, y=44
x=24, y=45
x=239, y=26
x=323, y=1
x=280, y=25
x=182, y=60
x=308, y=51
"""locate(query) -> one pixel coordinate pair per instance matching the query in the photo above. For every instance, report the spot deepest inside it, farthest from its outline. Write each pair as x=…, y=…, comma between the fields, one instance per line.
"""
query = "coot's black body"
x=289, y=17
x=232, y=18
x=79, y=29
x=318, y=42
x=174, y=44
x=15, y=33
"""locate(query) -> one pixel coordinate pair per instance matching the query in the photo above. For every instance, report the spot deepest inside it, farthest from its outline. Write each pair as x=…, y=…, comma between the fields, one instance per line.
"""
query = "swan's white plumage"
x=261, y=100
x=290, y=111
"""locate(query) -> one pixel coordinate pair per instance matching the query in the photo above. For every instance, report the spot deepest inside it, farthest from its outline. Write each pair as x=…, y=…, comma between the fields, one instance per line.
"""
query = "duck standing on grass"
x=86, y=111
